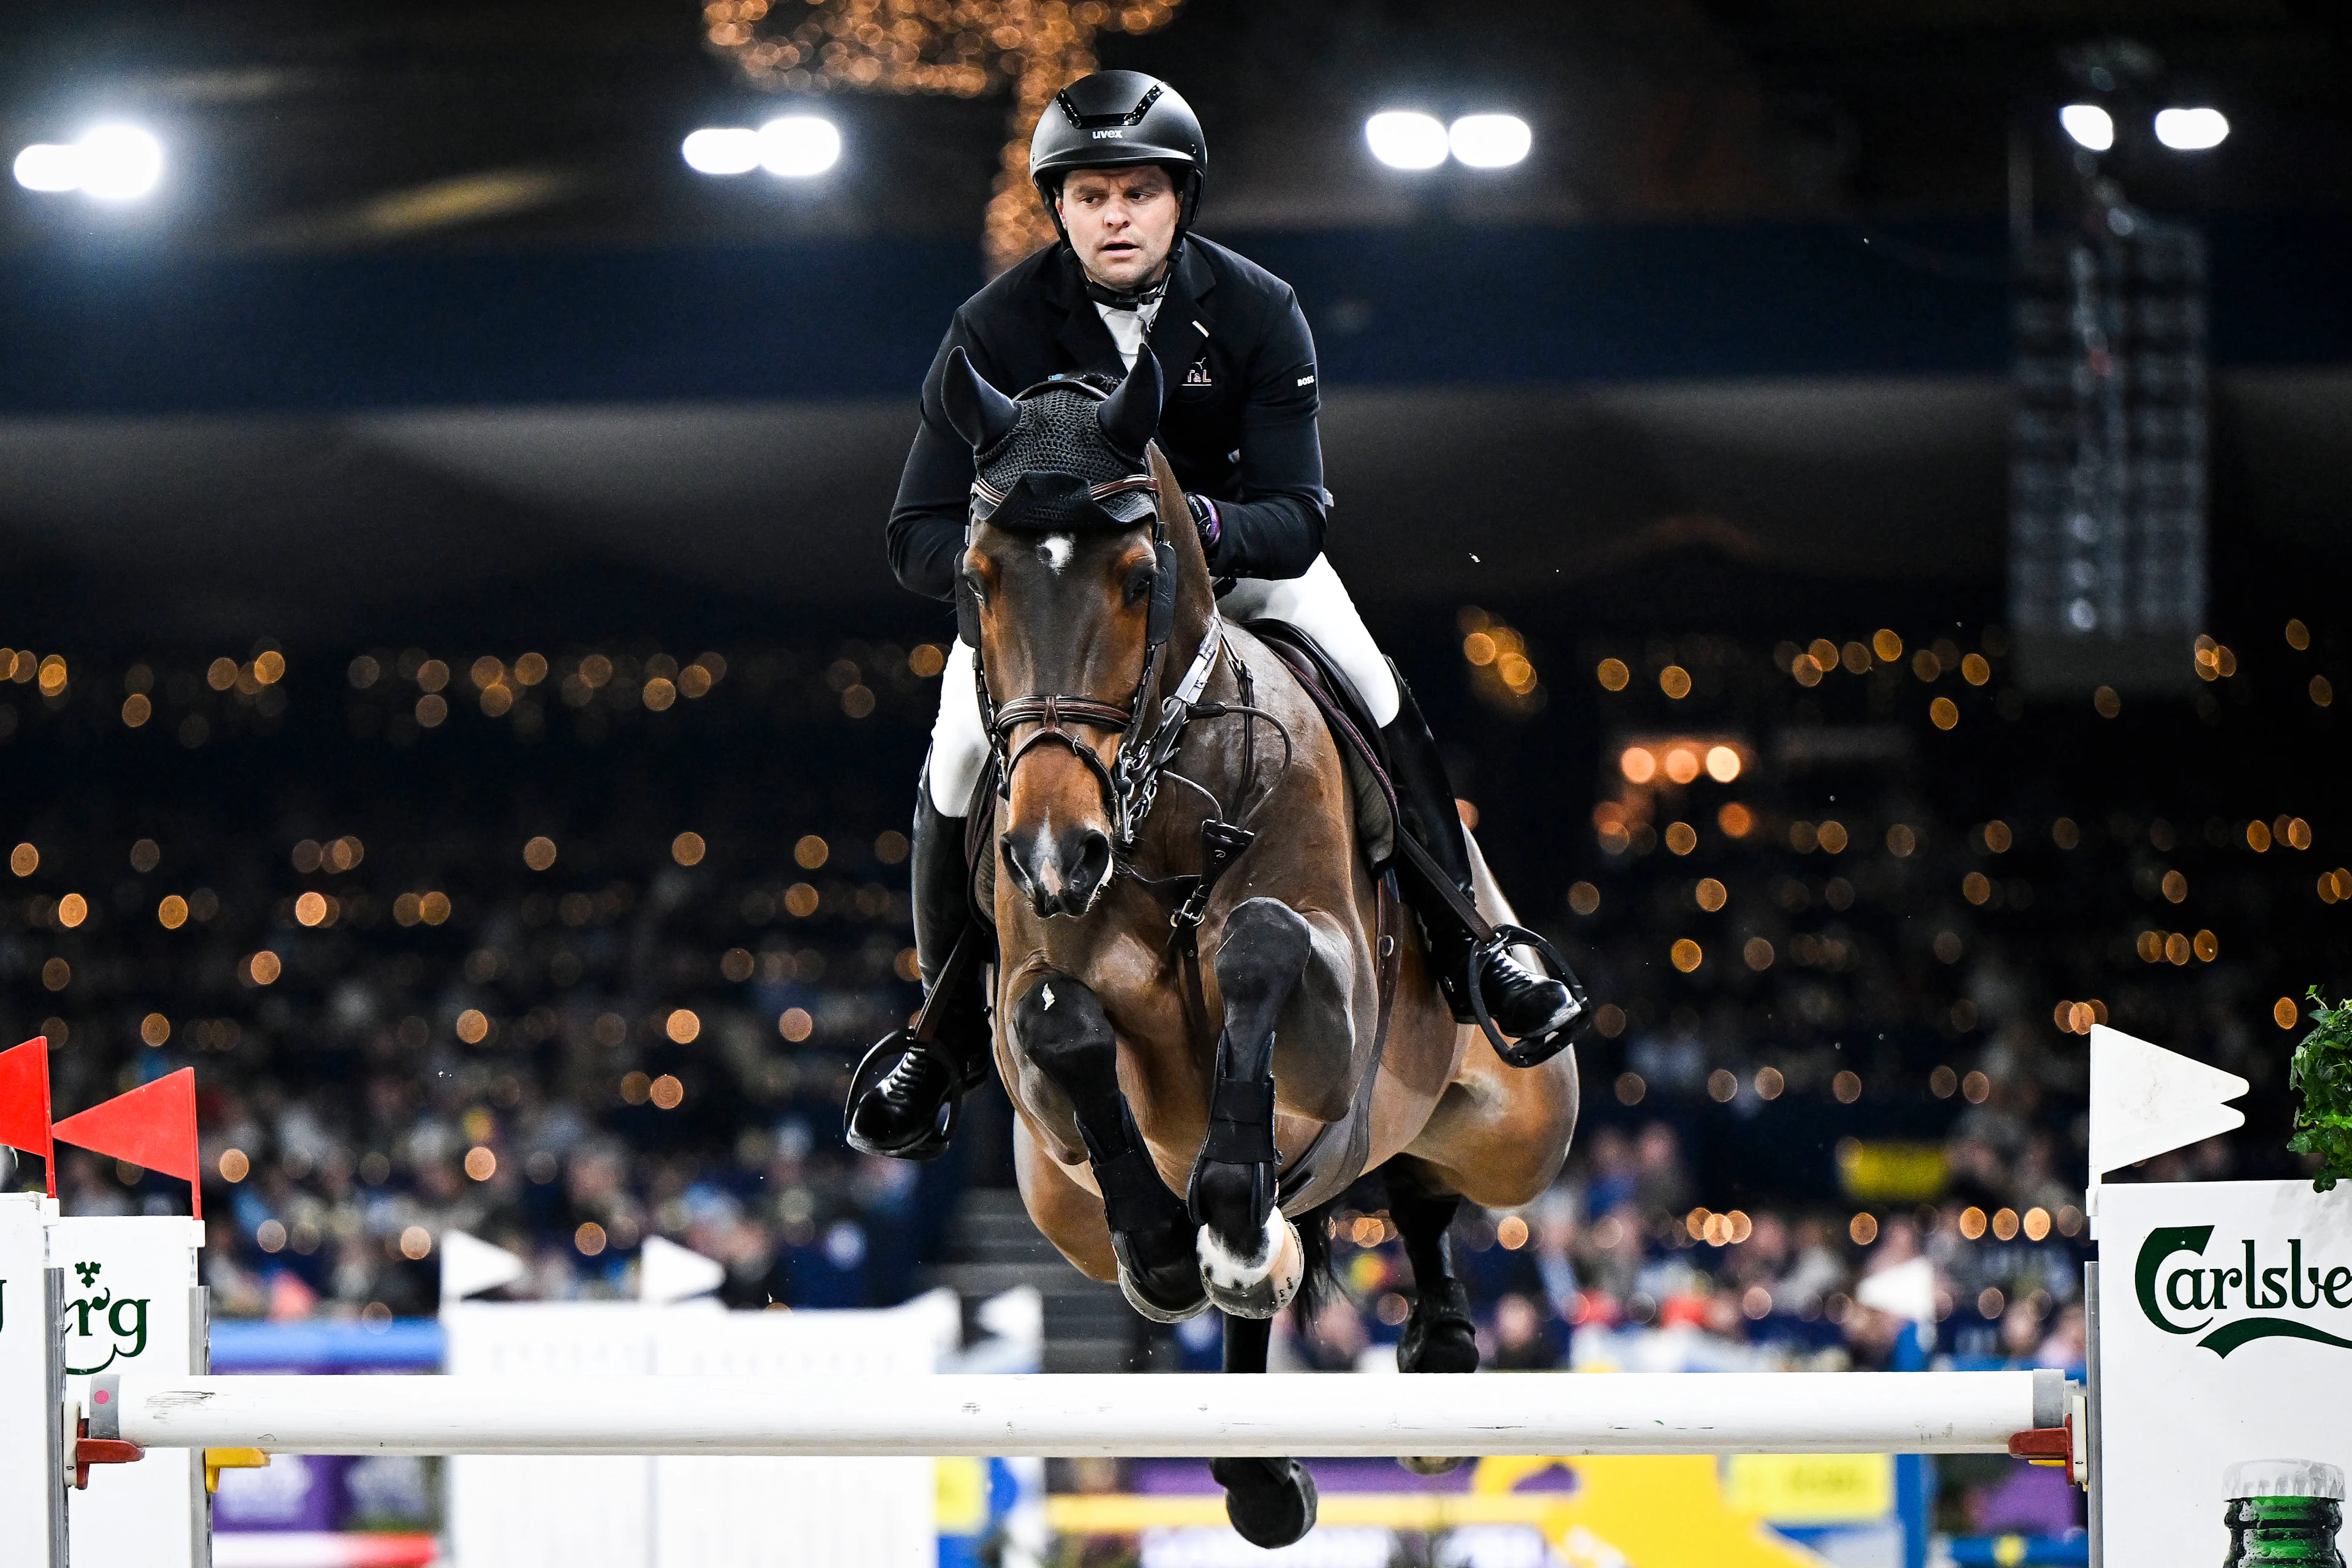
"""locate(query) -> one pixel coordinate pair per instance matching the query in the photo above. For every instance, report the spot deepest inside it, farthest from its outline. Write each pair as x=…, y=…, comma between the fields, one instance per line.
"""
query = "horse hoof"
x=1255, y=1287
x=1169, y=1311
x=1158, y=1274
x=1439, y=1336
x=1271, y=1502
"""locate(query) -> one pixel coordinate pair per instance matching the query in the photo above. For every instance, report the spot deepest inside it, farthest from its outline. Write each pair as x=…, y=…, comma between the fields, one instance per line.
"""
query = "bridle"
x=1132, y=783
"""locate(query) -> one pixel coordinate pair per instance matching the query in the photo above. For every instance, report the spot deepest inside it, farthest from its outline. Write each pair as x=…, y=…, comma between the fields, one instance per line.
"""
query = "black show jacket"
x=1238, y=425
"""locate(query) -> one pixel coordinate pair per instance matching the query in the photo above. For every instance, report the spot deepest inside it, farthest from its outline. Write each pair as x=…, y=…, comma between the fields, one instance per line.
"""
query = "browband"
x=993, y=498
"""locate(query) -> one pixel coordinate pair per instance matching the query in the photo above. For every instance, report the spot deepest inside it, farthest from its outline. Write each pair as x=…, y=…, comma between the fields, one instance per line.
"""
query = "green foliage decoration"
x=2322, y=1074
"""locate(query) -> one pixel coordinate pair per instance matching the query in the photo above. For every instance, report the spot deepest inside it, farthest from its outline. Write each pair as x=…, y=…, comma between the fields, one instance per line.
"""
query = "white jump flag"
x=470, y=1265
x=2146, y=1101
x=667, y=1273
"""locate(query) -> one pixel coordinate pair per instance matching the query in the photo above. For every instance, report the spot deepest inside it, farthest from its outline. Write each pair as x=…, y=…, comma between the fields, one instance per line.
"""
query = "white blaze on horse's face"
x=1055, y=551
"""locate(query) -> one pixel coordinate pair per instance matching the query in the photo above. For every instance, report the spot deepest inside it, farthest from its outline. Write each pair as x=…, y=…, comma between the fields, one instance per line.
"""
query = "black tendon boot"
x=1523, y=1002
x=904, y=1099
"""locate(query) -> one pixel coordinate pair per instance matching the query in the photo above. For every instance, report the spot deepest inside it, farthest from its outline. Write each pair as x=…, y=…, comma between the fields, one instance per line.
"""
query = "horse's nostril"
x=1015, y=860
x=1061, y=874
x=1088, y=861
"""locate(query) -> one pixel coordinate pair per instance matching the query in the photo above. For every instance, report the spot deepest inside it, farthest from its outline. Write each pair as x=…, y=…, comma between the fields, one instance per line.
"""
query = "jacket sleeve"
x=1276, y=528
x=927, y=521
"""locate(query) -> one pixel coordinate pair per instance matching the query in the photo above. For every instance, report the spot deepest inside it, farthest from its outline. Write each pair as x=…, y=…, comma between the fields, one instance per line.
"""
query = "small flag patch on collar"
x=1307, y=380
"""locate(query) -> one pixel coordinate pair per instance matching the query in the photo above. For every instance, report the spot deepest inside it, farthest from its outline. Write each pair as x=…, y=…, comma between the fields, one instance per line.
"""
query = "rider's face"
x=1121, y=222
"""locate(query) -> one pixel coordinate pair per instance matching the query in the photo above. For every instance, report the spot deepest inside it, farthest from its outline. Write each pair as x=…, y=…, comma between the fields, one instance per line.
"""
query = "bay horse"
x=1192, y=947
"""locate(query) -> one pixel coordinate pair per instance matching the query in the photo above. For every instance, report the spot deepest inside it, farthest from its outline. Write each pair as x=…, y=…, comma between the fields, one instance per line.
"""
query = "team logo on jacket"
x=1199, y=374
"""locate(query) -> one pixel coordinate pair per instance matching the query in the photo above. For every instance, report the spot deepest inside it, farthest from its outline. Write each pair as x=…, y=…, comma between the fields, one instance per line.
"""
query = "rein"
x=1131, y=785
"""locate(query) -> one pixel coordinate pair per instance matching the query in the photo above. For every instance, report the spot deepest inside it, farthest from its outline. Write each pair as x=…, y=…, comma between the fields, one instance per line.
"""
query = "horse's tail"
x=1316, y=1279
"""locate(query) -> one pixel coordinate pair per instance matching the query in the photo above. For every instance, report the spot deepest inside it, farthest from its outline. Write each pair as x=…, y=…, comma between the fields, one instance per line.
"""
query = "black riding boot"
x=904, y=1099
x=1522, y=1002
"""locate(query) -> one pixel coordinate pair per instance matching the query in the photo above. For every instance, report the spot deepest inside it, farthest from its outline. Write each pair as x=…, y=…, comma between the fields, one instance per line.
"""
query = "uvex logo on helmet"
x=2239, y=1293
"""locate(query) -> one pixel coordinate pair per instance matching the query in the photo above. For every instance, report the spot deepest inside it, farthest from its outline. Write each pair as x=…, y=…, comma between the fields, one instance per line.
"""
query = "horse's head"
x=1066, y=591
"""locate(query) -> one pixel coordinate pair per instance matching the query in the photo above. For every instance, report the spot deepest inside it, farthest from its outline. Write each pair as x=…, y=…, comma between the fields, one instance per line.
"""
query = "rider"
x=1118, y=159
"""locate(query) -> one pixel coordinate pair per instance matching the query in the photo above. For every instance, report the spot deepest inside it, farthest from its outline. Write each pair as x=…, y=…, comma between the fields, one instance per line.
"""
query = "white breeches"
x=1317, y=604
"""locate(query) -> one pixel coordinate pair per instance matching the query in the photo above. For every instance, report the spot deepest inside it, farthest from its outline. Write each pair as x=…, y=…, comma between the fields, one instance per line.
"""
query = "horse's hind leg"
x=1439, y=1336
x=1250, y=1257
x=1062, y=1030
x=1271, y=1502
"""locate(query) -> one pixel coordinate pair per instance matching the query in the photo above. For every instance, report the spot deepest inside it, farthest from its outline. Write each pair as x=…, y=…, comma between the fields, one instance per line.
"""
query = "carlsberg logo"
x=2217, y=1292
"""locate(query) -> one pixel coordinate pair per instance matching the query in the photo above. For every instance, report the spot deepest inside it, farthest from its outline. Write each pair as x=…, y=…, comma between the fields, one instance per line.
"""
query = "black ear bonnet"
x=1064, y=456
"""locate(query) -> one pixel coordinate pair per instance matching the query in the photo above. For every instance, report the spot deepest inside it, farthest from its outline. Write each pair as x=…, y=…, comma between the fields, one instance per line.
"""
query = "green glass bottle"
x=2283, y=1511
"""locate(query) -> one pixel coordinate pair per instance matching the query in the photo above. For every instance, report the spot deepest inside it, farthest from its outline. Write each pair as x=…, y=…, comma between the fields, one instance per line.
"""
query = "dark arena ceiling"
x=428, y=310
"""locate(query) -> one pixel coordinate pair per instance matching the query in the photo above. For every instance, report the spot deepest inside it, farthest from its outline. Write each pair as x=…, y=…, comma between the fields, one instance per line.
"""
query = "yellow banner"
x=963, y=1495
x=1642, y=1510
x=1891, y=1173
x=1811, y=1488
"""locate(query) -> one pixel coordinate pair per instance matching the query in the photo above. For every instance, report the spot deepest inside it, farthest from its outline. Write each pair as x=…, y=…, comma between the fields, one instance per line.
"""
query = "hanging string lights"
x=960, y=48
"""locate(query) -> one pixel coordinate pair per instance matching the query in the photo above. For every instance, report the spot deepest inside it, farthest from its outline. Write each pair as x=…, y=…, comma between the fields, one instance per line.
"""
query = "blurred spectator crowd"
x=1618, y=1267
x=573, y=949
x=560, y=952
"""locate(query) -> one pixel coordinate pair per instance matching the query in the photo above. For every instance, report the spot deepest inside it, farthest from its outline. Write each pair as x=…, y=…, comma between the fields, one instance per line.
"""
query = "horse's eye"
x=1139, y=585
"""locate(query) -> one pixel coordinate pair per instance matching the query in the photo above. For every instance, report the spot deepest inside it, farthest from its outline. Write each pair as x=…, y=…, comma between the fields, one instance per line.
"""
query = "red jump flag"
x=155, y=1125
x=25, y=1102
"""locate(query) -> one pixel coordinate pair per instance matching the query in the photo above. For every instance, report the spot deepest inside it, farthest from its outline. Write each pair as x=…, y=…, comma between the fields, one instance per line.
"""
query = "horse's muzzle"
x=1059, y=874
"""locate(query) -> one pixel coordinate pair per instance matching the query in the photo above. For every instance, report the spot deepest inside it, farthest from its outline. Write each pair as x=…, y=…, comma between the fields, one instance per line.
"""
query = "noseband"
x=1132, y=783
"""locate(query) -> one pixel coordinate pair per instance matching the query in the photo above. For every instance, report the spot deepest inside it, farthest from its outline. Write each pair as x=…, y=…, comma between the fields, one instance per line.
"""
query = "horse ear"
x=981, y=415
x=1175, y=516
x=1196, y=593
x=1130, y=417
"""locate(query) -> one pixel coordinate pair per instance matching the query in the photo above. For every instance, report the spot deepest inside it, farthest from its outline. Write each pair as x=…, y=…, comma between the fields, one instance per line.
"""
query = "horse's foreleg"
x=1062, y=1029
x=1271, y=1502
x=1249, y=1256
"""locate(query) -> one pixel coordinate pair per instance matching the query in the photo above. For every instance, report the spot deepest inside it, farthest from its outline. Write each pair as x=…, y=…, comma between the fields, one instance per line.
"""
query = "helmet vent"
x=1100, y=122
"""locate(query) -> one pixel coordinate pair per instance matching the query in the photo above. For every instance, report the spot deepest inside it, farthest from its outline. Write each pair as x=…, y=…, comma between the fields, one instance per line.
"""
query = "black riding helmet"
x=1112, y=120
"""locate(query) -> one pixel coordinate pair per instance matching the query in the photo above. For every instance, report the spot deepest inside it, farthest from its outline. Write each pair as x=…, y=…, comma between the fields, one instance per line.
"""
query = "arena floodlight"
x=1489, y=141
x=119, y=162
x=722, y=149
x=50, y=167
x=1406, y=139
x=110, y=164
x=2090, y=127
x=799, y=145
x=2192, y=130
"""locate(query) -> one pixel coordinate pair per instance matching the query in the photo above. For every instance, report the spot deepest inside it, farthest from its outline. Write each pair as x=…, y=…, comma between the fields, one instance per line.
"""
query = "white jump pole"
x=1068, y=1415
